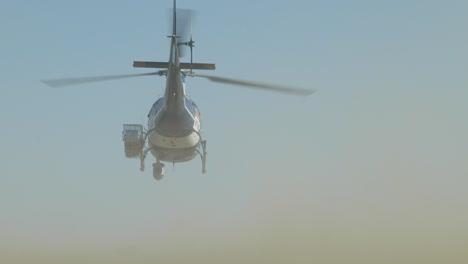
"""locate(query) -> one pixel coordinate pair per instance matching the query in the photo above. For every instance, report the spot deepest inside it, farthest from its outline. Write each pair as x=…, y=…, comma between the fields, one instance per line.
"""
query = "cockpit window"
x=157, y=106
x=190, y=105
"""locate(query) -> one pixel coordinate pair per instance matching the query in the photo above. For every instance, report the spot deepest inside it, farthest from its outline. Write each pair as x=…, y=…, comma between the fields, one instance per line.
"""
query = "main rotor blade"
x=269, y=87
x=81, y=80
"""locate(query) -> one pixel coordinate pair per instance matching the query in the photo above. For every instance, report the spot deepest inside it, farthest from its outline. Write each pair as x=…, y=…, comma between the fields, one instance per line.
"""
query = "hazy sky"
x=370, y=169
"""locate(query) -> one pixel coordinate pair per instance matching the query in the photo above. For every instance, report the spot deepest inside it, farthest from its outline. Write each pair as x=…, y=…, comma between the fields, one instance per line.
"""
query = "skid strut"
x=142, y=158
x=202, y=154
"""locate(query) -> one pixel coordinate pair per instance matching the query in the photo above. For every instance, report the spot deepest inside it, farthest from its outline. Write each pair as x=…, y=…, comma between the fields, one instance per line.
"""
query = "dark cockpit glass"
x=157, y=106
x=190, y=105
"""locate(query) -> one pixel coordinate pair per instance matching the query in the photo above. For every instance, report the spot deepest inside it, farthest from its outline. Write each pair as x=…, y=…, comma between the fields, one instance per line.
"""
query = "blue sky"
x=371, y=168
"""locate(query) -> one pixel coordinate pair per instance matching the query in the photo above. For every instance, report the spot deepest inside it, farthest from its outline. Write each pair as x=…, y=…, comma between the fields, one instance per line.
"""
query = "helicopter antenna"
x=174, y=32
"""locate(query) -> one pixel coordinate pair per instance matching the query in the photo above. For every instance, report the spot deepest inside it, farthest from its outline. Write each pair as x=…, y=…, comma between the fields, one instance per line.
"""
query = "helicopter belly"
x=174, y=142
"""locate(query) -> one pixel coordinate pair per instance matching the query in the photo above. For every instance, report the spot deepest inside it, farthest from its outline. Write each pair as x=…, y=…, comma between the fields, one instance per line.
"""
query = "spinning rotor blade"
x=184, y=21
x=269, y=87
x=56, y=83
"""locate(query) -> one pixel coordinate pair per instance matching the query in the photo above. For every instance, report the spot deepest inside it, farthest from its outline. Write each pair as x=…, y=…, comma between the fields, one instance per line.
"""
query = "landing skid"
x=142, y=158
x=203, y=155
x=158, y=166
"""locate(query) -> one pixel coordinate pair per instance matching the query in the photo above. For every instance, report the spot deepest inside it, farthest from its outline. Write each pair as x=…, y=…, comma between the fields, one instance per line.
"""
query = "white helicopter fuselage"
x=173, y=139
x=174, y=123
x=174, y=142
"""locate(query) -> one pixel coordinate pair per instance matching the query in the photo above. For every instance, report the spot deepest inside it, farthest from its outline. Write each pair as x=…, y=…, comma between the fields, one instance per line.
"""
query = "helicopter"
x=173, y=133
